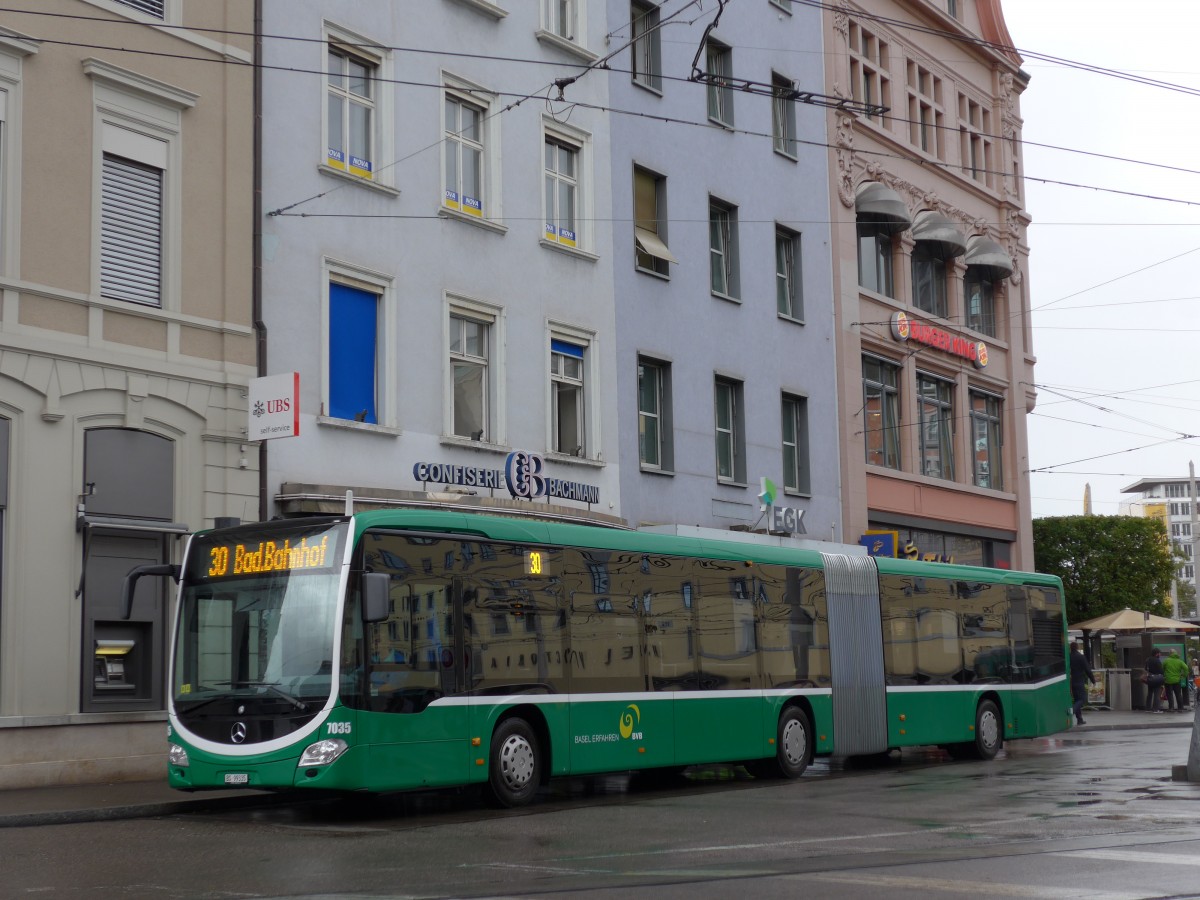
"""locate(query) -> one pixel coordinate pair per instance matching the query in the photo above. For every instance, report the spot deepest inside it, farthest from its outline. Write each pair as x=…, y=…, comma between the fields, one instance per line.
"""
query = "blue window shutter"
x=566, y=349
x=353, y=335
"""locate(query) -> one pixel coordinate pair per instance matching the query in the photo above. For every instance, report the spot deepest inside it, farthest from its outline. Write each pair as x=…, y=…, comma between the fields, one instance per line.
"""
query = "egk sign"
x=908, y=329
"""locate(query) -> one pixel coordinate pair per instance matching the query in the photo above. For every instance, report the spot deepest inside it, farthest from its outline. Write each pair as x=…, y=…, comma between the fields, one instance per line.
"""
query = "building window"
x=154, y=8
x=131, y=225
x=138, y=222
x=470, y=349
x=731, y=432
x=723, y=248
x=926, y=119
x=979, y=293
x=647, y=52
x=562, y=19
x=351, y=123
x=785, y=5
x=562, y=187
x=650, y=222
x=869, y=81
x=974, y=127
x=935, y=399
x=353, y=371
x=875, y=260
x=464, y=156
x=987, y=437
x=654, y=414
x=568, y=424
x=719, y=68
x=929, y=279
x=881, y=412
x=788, y=296
x=783, y=116
x=795, y=444
x=1176, y=490
x=952, y=7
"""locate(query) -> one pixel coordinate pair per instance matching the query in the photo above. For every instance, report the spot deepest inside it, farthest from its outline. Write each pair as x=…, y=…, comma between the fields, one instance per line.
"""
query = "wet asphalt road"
x=1091, y=815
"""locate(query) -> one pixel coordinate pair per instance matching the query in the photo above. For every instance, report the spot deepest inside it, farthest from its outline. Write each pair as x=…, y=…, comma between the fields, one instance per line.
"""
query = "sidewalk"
x=62, y=805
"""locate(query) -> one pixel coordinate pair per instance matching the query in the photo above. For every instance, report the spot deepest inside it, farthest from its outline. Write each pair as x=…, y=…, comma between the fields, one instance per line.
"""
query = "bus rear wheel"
x=515, y=766
x=989, y=735
x=793, y=747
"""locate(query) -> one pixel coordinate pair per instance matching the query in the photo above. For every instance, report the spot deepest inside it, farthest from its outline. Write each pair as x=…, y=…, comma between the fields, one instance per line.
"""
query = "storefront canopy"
x=986, y=254
x=882, y=208
x=1133, y=620
x=936, y=229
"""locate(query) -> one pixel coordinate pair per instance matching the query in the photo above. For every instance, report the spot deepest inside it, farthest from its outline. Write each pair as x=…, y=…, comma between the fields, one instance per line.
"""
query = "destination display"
x=245, y=552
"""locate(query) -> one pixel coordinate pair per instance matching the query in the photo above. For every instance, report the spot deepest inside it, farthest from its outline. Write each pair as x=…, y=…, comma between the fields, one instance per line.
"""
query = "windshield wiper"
x=270, y=686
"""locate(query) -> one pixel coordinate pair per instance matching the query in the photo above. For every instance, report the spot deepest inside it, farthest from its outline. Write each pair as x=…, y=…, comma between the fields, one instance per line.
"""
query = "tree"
x=1106, y=563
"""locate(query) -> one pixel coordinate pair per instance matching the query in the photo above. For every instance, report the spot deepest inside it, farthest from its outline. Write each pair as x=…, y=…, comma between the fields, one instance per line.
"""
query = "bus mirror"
x=130, y=583
x=375, y=586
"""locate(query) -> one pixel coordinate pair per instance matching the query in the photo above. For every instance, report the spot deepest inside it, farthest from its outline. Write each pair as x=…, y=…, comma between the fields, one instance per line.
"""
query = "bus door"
x=414, y=660
x=856, y=655
x=1016, y=697
x=616, y=722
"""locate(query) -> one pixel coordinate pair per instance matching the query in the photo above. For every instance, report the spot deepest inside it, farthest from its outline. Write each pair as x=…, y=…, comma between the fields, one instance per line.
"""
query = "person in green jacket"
x=1175, y=670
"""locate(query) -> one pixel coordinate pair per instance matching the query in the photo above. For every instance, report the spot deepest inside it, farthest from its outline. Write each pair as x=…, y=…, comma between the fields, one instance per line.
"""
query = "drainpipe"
x=260, y=327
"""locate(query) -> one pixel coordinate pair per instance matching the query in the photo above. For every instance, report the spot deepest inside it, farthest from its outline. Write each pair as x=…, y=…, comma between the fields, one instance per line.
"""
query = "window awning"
x=986, y=254
x=649, y=242
x=881, y=207
x=935, y=228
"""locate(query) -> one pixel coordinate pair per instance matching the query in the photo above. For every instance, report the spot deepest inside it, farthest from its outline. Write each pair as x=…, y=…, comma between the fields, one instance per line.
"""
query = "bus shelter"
x=1137, y=633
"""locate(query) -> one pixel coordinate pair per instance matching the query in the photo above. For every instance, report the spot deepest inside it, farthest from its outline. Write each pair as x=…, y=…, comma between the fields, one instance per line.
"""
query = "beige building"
x=126, y=344
x=931, y=300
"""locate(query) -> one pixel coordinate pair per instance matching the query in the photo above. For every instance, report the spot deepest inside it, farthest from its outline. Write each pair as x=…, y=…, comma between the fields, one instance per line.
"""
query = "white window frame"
x=569, y=35
x=141, y=119
x=172, y=11
x=735, y=433
x=581, y=141
x=723, y=248
x=380, y=59
x=799, y=479
x=718, y=65
x=463, y=91
x=589, y=420
x=782, y=5
x=335, y=271
x=645, y=45
x=783, y=118
x=870, y=78
x=13, y=49
x=661, y=414
x=792, y=275
x=652, y=244
x=495, y=428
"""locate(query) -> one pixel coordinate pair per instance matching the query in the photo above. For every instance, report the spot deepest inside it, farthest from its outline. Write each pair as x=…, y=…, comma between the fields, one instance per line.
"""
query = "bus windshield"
x=257, y=618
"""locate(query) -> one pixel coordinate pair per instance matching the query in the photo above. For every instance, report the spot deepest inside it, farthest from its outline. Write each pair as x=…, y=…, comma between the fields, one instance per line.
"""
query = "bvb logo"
x=629, y=720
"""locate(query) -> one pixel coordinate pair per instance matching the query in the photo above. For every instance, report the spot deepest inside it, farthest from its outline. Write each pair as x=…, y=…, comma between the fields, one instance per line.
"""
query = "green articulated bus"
x=406, y=649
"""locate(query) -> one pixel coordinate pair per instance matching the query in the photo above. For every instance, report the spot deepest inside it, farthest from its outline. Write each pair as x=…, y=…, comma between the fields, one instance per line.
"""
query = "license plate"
x=237, y=778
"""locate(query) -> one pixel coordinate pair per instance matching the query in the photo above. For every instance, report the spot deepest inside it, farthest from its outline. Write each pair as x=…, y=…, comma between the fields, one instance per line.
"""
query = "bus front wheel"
x=515, y=767
x=793, y=747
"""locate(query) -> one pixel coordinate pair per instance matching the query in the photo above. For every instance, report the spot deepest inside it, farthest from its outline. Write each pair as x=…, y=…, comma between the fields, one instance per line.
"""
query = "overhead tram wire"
x=584, y=67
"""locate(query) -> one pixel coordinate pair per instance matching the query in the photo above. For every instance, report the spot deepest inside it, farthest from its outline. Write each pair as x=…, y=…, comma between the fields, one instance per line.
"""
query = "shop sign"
x=274, y=407
x=522, y=476
x=783, y=519
x=905, y=328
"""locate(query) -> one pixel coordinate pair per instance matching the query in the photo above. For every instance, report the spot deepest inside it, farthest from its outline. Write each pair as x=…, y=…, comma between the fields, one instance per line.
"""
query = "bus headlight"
x=177, y=756
x=322, y=753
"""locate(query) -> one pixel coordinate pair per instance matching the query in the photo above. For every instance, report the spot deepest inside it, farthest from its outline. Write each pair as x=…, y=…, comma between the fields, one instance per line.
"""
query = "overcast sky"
x=1112, y=282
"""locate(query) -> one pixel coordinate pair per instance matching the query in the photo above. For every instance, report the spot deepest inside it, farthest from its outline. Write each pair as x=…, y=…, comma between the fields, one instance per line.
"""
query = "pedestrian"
x=1081, y=676
x=1175, y=672
x=1154, y=680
